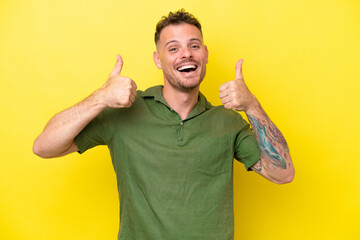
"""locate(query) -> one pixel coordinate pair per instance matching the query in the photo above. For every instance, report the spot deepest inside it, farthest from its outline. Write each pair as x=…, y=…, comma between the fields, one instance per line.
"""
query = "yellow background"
x=301, y=60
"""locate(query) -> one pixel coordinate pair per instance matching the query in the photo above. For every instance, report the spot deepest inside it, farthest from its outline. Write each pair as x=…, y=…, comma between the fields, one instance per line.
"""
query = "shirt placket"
x=179, y=126
x=181, y=133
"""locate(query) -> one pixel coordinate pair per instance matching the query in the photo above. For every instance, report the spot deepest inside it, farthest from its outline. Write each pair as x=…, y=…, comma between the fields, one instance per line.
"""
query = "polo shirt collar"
x=156, y=93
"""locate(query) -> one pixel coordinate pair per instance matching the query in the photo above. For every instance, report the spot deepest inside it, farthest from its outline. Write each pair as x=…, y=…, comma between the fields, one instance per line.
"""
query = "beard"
x=184, y=84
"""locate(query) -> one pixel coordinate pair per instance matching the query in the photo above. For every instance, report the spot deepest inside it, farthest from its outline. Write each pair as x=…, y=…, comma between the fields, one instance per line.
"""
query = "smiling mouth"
x=187, y=68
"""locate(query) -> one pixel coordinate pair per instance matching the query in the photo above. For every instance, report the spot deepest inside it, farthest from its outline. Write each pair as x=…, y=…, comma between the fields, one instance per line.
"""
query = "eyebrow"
x=174, y=41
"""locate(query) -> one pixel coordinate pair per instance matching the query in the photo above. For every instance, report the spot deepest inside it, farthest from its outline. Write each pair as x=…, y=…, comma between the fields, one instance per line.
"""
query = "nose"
x=186, y=53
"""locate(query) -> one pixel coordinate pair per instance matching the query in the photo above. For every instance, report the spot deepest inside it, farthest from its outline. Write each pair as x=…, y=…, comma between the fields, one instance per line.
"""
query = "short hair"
x=176, y=18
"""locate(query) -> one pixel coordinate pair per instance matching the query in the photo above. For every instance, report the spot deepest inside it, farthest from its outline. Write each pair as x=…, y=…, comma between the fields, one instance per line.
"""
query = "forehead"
x=181, y=32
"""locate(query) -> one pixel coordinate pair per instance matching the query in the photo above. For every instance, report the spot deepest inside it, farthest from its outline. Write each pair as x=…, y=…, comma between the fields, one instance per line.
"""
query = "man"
x=172, y=150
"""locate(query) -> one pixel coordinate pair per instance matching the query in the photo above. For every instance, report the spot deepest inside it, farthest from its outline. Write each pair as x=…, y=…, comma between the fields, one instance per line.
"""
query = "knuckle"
x=129, y=104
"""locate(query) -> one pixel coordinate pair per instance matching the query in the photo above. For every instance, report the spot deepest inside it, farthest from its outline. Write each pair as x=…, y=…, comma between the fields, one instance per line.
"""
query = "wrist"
x=254, y=108
x=97, y=99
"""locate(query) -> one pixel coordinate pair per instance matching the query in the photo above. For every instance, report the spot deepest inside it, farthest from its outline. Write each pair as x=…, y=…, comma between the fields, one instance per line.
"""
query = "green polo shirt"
x=174, y=176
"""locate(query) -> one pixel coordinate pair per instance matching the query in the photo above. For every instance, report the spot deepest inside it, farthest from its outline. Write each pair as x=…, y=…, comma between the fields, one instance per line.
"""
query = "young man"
x=172, y=150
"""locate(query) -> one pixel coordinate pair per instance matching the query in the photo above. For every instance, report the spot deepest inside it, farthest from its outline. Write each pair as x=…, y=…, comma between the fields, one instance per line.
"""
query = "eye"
x=173, y=49
x=195, y=46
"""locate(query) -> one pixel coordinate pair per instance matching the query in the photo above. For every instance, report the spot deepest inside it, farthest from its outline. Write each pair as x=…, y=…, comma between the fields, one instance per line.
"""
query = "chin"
x=191, y=86
x=185, y=87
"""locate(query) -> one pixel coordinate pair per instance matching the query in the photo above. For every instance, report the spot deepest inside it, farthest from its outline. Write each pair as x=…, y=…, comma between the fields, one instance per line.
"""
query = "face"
x=182, y=56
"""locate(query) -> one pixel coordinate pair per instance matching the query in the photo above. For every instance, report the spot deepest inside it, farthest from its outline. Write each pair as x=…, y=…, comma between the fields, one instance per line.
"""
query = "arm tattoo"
x=257, y=167
x=272, y=143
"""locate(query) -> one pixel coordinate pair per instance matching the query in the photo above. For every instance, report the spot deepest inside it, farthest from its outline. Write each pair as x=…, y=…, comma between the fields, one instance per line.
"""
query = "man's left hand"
x=235, y=94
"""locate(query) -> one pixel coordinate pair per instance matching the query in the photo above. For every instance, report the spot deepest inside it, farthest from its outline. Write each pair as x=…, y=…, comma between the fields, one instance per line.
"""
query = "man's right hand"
x=118, y=91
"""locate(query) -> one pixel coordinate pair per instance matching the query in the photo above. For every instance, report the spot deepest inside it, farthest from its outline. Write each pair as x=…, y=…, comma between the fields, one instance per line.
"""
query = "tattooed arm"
x=275, y=163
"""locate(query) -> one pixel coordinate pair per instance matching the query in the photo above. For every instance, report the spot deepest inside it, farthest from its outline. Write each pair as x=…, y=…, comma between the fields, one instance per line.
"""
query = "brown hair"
x=175, y=18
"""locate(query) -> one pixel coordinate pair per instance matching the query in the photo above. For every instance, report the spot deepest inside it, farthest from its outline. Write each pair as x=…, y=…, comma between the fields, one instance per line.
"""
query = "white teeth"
x=186, y=67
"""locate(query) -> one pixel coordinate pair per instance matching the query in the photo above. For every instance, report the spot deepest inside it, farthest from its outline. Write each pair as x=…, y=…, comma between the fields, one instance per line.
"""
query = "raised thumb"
x=118, y=66
x=238, y=69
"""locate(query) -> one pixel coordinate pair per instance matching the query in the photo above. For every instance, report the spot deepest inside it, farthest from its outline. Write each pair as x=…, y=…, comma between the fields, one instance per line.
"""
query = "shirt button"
x=181, y=123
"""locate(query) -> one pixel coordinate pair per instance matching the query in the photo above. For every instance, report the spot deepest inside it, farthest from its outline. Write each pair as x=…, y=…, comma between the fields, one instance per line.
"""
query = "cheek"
x=167, y=63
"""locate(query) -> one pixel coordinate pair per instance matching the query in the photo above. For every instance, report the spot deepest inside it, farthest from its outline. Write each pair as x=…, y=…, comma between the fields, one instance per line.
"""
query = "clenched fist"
x=235, y=94
x=118, y=91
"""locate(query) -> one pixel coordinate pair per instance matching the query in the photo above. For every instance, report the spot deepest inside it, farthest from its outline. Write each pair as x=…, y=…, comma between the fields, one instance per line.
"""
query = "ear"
x=206, y=54
x=157, y=60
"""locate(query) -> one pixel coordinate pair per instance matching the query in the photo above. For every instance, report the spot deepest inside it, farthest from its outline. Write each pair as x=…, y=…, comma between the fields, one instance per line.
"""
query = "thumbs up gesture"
x=235, y=94
x=118, y=91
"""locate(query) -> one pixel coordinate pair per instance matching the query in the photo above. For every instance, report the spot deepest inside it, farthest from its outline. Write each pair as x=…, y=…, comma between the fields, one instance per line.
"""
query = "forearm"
x=60, y=131
x=275, y=163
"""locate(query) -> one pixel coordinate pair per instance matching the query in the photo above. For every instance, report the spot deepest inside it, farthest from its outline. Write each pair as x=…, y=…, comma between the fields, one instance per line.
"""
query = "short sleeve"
x=246, y=147
x=95, y=133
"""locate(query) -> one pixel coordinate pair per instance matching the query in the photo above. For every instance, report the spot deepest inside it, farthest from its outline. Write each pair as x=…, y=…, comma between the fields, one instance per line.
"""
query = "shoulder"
x=221, y=113
x=223, y=120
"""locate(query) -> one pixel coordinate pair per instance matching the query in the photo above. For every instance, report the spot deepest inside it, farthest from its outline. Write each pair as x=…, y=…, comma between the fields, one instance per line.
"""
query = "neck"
x=181, y=102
